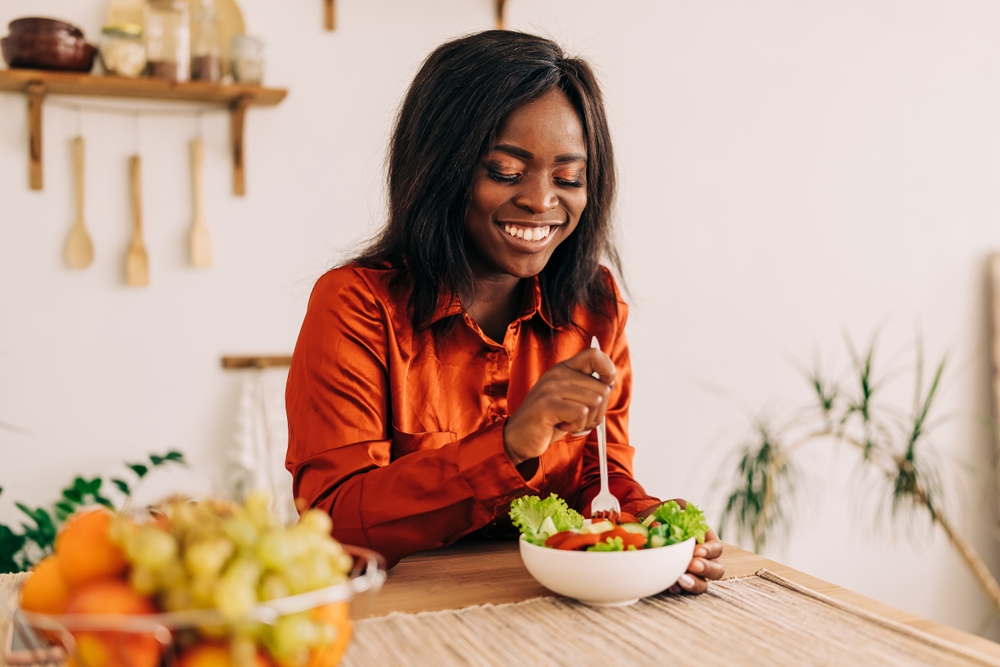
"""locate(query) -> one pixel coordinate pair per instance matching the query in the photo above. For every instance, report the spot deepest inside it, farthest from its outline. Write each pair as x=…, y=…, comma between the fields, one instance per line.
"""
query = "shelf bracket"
x=500, y=7
x=330, y=14
x=36, y=100
x=237, y=120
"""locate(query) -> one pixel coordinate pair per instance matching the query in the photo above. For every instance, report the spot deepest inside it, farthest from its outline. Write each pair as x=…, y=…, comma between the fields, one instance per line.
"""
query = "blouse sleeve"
x=632, y=497
x=339, y=449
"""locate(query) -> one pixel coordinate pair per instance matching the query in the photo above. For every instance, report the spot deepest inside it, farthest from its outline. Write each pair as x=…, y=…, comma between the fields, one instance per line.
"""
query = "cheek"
x=487, y=196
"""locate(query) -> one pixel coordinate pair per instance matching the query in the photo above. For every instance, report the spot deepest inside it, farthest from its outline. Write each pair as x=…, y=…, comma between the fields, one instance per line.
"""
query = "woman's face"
x=530, y=189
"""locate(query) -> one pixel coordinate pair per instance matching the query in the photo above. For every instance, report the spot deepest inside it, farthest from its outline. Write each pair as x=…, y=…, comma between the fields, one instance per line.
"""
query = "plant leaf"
x=173, y=455
x=139, y=469
x=122, y=486
x=156, y=460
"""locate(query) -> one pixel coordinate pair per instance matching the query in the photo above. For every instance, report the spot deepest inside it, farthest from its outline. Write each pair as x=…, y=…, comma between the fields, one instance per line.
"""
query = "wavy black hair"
x=449, y=117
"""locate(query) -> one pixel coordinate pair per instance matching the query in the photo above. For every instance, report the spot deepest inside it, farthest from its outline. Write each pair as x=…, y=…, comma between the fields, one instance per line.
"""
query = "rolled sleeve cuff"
x=486, y=468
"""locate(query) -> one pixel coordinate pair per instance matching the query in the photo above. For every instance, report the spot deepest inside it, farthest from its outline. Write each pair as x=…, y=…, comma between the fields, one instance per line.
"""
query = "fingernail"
x=686, y=580
x=700, y=553
x=697, y=566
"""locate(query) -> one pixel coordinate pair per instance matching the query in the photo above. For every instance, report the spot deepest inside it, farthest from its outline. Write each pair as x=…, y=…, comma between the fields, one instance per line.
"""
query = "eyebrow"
x=527, y=155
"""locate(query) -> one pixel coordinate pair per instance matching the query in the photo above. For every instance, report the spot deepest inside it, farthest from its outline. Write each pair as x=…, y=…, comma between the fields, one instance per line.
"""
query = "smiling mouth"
x=527, y=233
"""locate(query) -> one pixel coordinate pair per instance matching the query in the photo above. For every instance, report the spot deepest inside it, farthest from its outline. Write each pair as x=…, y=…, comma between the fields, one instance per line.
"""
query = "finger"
x=567, y=415
x=593, y=361
x=675, y=589
x=595, y=401
x=692, y=584
x=707, y=569
x=711, y=549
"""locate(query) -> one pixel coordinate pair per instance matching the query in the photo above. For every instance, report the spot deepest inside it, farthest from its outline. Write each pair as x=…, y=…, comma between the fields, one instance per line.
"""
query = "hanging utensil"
x=200, y=241
x=79, y=247
x=136, y=259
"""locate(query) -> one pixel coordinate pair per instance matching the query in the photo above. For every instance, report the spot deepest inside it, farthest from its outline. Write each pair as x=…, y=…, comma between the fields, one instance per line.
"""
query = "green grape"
x=234, y=598
x=293, y=633
x=277, y=549
x=272, y=587
x=243, y=650
x=316, y=521
x=316, y=570
x=242, y=531
x=203, y=591
x=258, y=507
x=172, y=575
x=244, y=570
x=177, y=598
x=143, y=580
x=151, y=547
x=206, y=557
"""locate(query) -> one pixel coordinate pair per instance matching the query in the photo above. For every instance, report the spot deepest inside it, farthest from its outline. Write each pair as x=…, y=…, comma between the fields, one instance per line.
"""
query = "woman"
x=448, y=370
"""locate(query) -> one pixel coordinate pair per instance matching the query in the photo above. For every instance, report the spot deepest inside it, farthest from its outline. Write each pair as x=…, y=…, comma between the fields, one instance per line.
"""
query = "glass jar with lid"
x=168, y=40
x=206, y=51
x=122, y=51
x=247, y=57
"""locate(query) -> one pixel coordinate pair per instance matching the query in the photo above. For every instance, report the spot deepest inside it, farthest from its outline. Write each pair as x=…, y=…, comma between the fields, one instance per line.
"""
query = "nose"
x=537, y=195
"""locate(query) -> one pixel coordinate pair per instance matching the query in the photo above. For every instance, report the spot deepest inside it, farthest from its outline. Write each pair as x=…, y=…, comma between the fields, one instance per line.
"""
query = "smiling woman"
x=448, y=370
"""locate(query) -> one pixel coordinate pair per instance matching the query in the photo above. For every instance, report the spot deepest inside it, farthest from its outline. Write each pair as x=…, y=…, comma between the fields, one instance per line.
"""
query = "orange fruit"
x=46, y=590
x=214, y=654
x=337, y=616
x=111, y=648
x=86, y=551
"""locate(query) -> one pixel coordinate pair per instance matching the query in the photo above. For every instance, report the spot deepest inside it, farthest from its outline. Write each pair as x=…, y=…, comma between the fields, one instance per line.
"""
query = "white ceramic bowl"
x=607, y=578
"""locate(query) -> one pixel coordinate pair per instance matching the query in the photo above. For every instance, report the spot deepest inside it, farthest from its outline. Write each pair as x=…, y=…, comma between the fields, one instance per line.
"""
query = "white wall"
x=789, y=170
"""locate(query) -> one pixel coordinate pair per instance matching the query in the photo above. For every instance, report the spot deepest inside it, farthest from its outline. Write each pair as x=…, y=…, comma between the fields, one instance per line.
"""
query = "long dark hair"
x=448, y=120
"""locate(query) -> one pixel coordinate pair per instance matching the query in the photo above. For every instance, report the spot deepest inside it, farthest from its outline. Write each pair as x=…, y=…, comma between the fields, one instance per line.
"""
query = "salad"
x=550, y=522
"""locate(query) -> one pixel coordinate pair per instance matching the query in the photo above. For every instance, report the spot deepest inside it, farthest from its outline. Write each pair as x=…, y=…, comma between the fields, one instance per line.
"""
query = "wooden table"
x=492, y=572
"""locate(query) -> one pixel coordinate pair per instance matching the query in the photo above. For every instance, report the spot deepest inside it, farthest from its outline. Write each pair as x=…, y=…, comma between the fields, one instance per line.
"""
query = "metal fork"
x=604, y=505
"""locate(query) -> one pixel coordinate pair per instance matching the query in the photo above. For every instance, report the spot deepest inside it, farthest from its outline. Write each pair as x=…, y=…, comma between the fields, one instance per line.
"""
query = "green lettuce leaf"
x=678, y=525
x=611, y=544
x=539, y=519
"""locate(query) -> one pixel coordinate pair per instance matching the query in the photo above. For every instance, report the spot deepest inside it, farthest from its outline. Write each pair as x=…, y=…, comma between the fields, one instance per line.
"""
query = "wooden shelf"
x=36, y=84
x=266, y=361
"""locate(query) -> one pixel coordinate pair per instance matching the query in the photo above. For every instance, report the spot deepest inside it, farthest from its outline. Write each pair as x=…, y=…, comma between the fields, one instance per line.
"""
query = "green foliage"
x=890, y=443
x=19, y=551
x=678, y=525
x=538, y=519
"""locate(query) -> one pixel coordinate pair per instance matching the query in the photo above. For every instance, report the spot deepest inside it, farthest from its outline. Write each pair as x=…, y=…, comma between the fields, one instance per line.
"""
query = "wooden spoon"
x=136, y=260
x=201, y=242
x=79, y=247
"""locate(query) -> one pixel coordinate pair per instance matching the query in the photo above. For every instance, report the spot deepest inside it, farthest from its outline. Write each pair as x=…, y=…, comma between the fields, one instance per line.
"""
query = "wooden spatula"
x=136, y=260
x=79, y=248
x=201, y=242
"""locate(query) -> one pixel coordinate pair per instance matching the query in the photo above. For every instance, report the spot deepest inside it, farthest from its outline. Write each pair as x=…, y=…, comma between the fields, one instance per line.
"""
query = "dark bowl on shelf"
x=36, y=24
x=57, y=51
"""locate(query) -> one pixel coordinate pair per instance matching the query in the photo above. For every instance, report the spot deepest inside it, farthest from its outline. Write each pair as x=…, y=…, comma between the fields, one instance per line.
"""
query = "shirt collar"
x=531, y=304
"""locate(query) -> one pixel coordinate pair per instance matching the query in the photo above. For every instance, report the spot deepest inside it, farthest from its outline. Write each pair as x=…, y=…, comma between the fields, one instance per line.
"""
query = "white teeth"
x=536, y=234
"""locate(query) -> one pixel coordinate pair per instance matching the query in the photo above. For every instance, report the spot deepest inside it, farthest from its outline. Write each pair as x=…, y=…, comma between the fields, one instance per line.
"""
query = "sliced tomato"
x=555, y=540
x=625, y=517
x=577, y=541
x=628, y=539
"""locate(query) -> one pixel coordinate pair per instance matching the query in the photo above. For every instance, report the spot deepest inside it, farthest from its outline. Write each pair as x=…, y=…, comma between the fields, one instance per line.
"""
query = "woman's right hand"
x=566, y=399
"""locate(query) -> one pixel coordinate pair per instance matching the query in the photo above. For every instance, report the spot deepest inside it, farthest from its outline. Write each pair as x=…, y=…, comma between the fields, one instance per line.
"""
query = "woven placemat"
x=756, y=620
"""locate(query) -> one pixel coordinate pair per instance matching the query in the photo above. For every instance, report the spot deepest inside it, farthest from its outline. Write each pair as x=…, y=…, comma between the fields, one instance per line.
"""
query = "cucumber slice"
x=648, y=520
x=636, y=528
x=596, y=527
x=657, y=541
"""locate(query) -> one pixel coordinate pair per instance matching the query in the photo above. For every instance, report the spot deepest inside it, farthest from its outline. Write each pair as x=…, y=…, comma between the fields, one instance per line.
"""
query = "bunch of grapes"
x=217, y=554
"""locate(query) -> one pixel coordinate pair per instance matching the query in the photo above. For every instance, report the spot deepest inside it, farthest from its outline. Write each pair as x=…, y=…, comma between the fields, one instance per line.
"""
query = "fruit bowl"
x=609, y=579
x=152, y=640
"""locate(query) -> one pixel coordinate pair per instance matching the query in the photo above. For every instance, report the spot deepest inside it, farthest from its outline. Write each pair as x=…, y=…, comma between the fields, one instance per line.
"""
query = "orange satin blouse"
x=399, y=434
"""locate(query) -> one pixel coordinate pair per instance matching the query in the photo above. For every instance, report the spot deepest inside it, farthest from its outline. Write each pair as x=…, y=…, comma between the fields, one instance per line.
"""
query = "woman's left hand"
x=704, y=565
